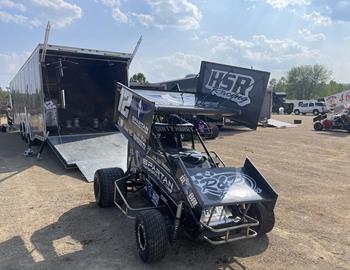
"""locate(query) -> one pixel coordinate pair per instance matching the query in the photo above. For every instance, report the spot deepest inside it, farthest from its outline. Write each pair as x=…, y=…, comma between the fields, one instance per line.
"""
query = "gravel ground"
x=48, y=218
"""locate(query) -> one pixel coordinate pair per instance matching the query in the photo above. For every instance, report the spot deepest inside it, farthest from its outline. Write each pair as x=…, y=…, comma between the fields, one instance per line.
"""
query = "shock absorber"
x=177, y=220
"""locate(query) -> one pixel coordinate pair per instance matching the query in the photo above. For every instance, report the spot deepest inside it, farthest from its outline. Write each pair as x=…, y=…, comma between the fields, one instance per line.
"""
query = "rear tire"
x=266, y=218
x=318, y=126
x=151, y=235
x=104, y=186
x=316, y=112
x=296, y=112
x=214, y=132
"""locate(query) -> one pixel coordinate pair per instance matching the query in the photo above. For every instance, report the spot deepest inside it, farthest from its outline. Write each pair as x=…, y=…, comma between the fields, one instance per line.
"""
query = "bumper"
x=218, y=236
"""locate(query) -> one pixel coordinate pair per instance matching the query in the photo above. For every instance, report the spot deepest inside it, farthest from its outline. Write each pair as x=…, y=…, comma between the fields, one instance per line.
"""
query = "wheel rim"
x=141, y=237
x=97, y=190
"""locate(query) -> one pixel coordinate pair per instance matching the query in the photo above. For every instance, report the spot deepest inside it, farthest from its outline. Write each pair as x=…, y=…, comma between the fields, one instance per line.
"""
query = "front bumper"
x=217, y=235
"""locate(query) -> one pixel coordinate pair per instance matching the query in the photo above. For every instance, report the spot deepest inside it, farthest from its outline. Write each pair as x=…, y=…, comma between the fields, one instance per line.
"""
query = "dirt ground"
x=48, y=218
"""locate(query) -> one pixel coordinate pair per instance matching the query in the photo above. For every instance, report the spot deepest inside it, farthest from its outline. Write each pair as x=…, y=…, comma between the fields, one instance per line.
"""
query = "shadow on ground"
x=13, y=161
x=87, y=237
x=335, y=133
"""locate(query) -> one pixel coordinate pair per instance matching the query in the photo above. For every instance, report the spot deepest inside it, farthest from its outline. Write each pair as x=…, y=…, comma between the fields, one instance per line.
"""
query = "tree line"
x=4, y=95
x=307, y=82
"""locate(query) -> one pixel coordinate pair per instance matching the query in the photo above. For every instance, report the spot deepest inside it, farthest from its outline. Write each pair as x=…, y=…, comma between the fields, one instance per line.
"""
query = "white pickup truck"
x=311, y=107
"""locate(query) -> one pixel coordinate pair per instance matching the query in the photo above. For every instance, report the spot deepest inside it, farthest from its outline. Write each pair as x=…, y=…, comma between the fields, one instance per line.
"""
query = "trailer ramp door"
x=90, y=152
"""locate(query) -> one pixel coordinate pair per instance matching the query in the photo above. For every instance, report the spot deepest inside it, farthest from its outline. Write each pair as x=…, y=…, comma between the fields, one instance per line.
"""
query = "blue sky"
x=272, y=35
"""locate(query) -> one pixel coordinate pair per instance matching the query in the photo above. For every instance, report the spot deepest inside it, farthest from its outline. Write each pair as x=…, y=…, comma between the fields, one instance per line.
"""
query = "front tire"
x=151, y=235
x=296, y=112
x=266, y=218
x=316, y=112
x=104, y=186
x=318, y=126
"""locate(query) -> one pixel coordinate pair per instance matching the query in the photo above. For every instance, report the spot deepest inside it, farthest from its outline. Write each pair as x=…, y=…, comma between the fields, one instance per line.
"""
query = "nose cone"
x=225, y=186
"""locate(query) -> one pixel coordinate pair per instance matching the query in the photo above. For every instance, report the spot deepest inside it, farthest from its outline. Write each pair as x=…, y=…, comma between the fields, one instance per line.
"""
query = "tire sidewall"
x=97, y=190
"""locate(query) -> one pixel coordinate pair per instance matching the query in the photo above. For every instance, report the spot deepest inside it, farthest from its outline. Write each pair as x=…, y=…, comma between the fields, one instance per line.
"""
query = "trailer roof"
x=85, y=51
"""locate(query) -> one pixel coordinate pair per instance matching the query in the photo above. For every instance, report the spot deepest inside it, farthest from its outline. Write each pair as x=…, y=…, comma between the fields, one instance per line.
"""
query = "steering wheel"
x=194, y=158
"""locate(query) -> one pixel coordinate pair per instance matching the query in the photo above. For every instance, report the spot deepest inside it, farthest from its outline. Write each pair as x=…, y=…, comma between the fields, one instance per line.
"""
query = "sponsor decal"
x=163, y=198
x=158, y=174
x=183, y=179
x=159, y=159
x=218, y=184
x=192, y=200
x=231, y=86
x=172, y=129
x=139, y=141
x=140, y=125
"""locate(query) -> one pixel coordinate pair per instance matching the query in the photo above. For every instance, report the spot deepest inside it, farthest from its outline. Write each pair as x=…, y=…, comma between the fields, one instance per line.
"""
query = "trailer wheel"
x=266, y=218
x=318, y=126
x=151, y=235
x=296, y=112
x=104, y=186
x=214, y=131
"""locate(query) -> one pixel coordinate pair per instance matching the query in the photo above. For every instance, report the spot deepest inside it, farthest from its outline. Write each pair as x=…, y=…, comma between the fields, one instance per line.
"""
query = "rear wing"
x=135, y=109
x=234, y=88
x=226, y=88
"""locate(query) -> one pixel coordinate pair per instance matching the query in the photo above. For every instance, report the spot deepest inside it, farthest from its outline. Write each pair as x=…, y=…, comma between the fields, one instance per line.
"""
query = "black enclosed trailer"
x=68, y=93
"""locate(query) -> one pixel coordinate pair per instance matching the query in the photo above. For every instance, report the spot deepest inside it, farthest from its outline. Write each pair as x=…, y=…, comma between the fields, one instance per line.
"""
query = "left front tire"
x=151, y=235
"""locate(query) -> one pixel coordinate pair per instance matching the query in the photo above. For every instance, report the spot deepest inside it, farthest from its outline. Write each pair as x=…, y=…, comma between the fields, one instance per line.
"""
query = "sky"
x=270, y=35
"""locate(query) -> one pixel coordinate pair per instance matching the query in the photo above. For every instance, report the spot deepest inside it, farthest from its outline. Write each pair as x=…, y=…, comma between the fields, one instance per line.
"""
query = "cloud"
x=10, y=64
x=277, y=55
x=318, y=19
x=61, y=13
x=347, y=38
x=6, y=17
x=337, y=10
x=163, y=68
x=309, y=36
x=222, y=43
x=179, y=14
x=259, y=48
x=144, y=19
x=11, y=4
x=117, y=13
x=280, y=4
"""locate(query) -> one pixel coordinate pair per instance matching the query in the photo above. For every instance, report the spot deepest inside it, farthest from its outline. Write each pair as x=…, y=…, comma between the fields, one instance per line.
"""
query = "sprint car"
x=174, y=188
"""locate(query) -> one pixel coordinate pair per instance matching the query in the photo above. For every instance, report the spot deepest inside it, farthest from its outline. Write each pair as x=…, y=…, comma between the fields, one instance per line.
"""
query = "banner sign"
x=337, y=100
